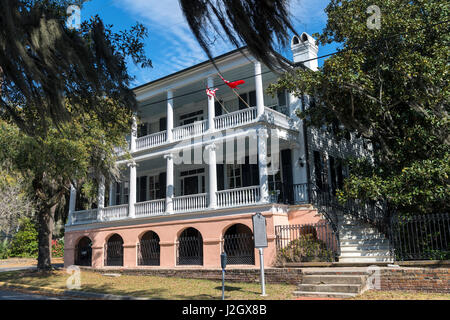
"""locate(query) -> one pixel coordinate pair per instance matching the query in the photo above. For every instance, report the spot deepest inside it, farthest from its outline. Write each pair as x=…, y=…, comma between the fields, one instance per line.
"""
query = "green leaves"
x=391, y=87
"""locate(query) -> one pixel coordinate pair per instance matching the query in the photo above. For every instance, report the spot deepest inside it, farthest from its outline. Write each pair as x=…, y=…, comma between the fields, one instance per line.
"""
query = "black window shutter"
x=281, y=98
x=252, y=98
x=218, y=109
x=246, y=174
x=143, y=188
x=142, y=130
x=162, y=185
x=318, y=169
x=220, y=177
x=162, y=124
x=241, y=103
x=286, y=163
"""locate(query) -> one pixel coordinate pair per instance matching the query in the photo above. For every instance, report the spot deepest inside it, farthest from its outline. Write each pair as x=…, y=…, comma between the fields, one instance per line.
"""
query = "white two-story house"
x=202, y=166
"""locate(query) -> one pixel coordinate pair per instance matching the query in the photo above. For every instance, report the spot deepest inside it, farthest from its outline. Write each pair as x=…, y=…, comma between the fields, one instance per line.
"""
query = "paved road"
x=16, y=295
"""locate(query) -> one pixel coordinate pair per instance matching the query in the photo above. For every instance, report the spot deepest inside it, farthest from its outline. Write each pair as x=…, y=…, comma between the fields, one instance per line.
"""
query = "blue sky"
x=170, y=44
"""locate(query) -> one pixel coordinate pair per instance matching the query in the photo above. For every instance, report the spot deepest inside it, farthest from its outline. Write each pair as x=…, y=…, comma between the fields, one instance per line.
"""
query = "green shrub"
x=305, y=249
x=25, y=241
x=58, y=248
x=4, y=250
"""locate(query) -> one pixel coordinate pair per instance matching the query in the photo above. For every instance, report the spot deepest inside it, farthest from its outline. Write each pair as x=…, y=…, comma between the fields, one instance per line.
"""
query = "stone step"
x=370, y=242
x=341, y=288
x=372, y=253
x=365, y=259
x=351, y=248
x=333, y=279
x=324, y=294
x=358, y=231
x=344, y=237
x=337, y=272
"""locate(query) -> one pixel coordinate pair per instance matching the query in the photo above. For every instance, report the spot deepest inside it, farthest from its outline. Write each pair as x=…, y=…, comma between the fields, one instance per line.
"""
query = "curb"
x=68, y=293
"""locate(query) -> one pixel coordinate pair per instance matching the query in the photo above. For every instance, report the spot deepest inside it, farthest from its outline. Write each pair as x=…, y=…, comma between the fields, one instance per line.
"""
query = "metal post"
x=261, y=264
x=223, y=284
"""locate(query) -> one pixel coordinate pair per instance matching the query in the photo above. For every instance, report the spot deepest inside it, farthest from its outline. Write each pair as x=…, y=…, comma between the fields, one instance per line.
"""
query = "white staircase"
x=361, y=243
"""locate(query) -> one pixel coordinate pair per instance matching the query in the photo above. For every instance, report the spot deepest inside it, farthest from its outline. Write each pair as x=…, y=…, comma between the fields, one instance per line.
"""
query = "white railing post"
x=169, y=115
x=259, y=90
x=72, y=203
x=132, y=195
x=262, y=165
x=212, y=175
x=169, y=183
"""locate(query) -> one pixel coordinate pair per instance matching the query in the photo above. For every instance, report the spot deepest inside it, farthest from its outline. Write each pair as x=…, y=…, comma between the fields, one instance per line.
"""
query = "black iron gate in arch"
x=83, y=252
x=114, y=251
x=148, y=250
x=190, y=248
x=239, y=245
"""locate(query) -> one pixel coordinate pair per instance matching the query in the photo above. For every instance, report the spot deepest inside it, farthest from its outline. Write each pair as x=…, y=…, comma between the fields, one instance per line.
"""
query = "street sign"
x=260, y=238
x=259, y=231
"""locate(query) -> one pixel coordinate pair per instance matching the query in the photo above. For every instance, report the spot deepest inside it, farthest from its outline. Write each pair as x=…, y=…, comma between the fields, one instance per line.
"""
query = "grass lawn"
x=152, y=287
x=401, y=295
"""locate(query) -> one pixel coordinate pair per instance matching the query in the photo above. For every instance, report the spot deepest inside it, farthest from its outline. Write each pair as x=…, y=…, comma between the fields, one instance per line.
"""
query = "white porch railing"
x=115, y=212
x=190, y=203
x=238, y=197
x=151, y=140
x=84, y=216
x=188, y=130
x=150, y=208
x=276, y=117
x=236, y=118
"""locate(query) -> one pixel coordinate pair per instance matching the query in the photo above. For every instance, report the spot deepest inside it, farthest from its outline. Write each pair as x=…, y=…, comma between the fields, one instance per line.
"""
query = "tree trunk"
x=45, y=220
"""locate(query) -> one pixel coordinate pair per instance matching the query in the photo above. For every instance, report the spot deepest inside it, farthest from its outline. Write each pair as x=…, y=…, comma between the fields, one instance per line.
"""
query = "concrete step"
x=363, y=247
x=358, y=231
x=324, y=294
x=333, y=279
x=341, y=288
x=365, y=259
x=364, y=253
x=363, y=237
x=370, y=242
x=336, y=272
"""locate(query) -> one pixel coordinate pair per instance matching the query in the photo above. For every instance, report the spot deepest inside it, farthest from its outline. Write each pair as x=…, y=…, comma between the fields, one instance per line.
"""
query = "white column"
x=259, y=90
x=211, y=107
x=169, y=114
x=262, y=164
x=132, y=195
x=212, y=175
x=133, y=135
x=72, y=203
x=169, y=183
x=111, y=194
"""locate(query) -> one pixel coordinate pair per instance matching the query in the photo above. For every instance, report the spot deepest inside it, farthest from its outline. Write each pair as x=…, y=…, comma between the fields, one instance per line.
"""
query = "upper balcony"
x=177, y=108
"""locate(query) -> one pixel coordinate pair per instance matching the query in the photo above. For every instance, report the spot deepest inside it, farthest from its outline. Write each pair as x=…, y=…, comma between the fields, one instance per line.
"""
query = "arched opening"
x=238, y=244
x=149, y=249
x=114, y=251
x=190, y=248
x=304, y=37
x=83, y=252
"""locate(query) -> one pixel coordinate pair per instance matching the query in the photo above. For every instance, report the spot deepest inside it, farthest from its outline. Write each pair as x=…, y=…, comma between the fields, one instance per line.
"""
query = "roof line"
x=201, y=64
x=190, y=68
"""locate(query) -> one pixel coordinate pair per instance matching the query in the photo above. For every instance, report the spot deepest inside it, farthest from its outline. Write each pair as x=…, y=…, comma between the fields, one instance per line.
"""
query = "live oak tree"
x=68, y=93
x=65, y=94
x=390, y=86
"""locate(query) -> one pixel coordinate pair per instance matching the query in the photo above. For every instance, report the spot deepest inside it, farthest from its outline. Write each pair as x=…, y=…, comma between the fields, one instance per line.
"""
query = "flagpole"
x=234, y=91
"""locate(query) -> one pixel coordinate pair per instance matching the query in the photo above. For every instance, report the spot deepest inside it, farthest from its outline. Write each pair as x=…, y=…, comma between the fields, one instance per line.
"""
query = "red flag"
x=232, y=84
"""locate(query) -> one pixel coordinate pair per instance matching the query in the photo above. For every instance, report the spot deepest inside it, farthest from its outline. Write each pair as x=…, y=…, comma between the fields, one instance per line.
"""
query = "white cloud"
x=169, y=35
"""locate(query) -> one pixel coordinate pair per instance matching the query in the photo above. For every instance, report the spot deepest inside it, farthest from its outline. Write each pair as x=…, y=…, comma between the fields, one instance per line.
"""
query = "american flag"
x=211, y=92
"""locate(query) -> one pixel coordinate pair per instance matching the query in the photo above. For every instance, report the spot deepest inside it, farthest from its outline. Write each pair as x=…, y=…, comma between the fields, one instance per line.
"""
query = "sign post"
x=260, y=238
x=223, y=263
